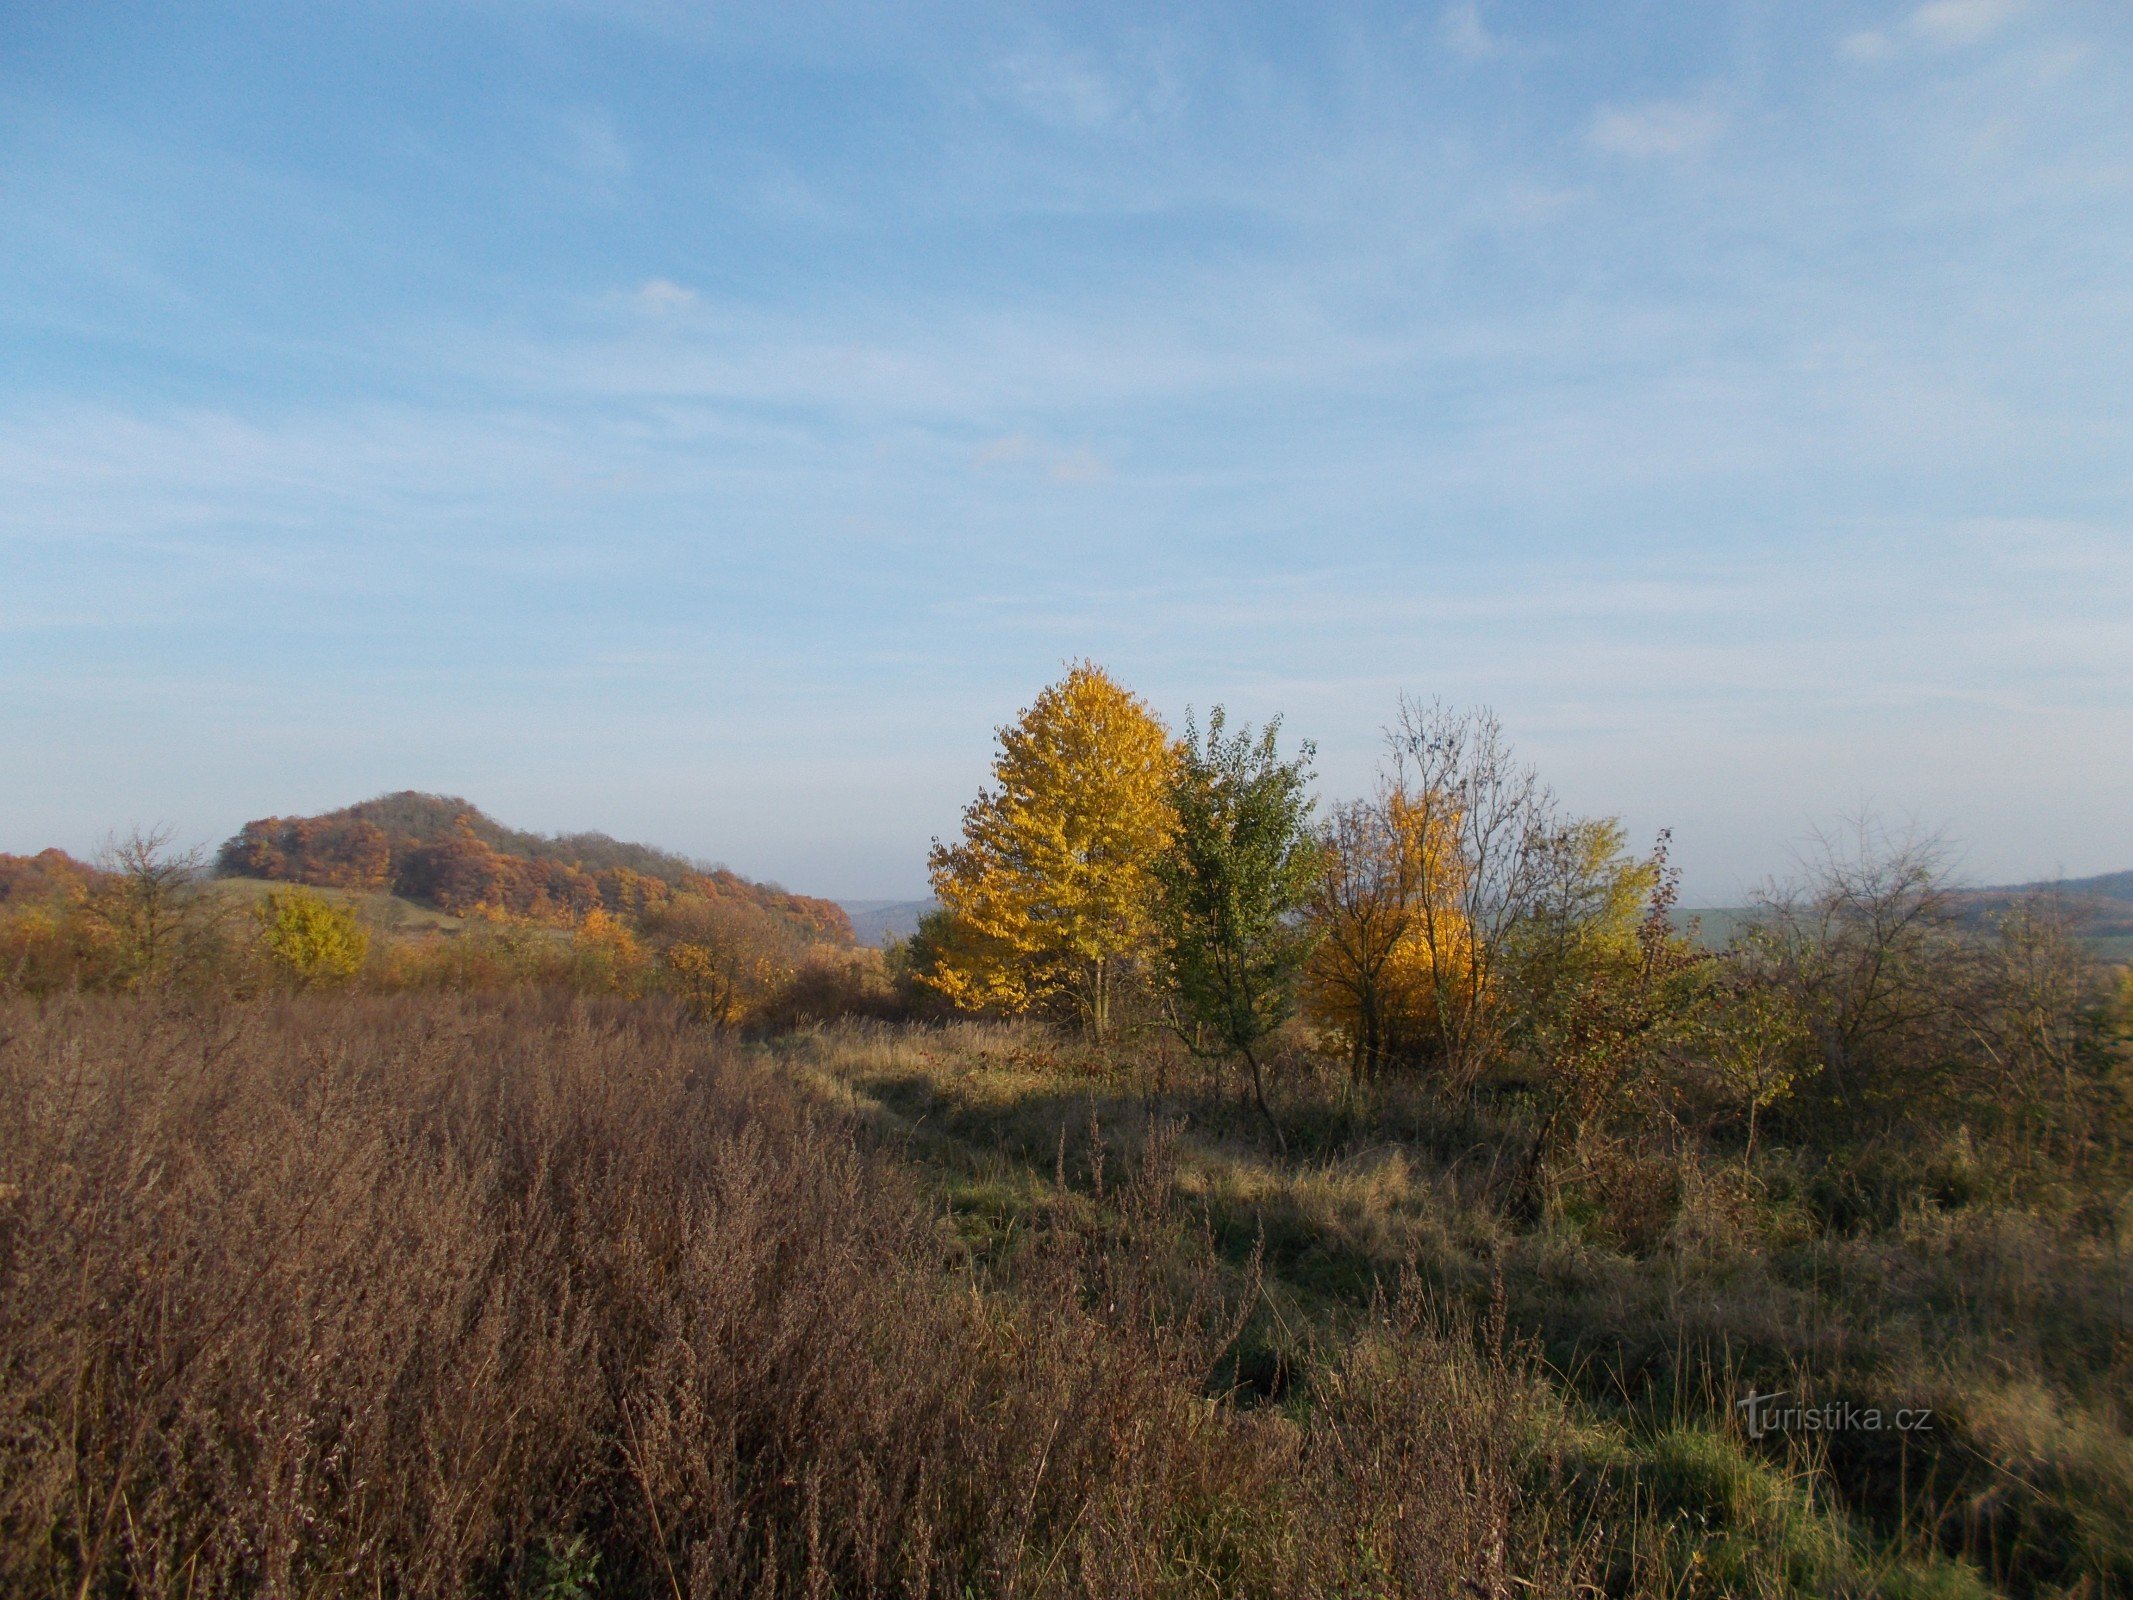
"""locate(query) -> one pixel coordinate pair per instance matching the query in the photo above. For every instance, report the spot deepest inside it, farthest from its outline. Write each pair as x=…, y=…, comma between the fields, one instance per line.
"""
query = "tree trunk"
x=1251, y=1060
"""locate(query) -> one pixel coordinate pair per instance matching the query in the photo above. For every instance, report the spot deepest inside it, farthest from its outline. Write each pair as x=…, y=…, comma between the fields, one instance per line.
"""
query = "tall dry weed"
x=450, y=1295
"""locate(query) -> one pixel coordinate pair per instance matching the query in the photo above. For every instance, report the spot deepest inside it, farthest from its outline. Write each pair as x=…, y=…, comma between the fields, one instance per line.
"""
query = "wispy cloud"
x=1463, y=32
x=1007, y=448
x=1961, y=22
x=593, y=148
x=1939, y=24
x=1079, y=90
x=1078, y=467
x=1069, y=466
x=1059, y=88
x=1657, y=128
x=660, y=296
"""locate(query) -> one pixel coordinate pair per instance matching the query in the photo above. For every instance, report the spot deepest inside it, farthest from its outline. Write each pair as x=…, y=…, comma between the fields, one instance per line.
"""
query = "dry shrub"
x=829, y=985
x=433, y=1295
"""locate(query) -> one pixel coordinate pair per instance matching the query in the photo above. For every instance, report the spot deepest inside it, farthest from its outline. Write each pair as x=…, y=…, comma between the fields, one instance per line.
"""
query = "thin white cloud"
x=1078, y=467
x=1071, y=466
x=1007, y=448
x=1960, y=22
x=1465, y=34
x=1938, y=24
x=663, y=295
x=1134, y=85
x=1656, y=128
x=593, y=148
x=1064, y=90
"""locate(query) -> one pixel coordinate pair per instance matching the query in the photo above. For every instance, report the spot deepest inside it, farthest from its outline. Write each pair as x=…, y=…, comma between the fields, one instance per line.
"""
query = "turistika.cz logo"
x=1765, y=1414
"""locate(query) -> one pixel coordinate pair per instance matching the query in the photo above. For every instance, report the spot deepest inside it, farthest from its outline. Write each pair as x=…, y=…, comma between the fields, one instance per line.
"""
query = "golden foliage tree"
x=1047, y=895
x=605, y=955
x=1390, y=928
x=309, y=941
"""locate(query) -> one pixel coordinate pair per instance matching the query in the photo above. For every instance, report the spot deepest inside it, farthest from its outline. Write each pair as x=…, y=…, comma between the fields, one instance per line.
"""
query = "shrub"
x=308, y=941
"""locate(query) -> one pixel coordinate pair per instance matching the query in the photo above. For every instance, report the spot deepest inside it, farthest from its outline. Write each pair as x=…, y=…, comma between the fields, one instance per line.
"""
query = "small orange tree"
x=1046, y=898
x=605, y=956
x=1386, y=911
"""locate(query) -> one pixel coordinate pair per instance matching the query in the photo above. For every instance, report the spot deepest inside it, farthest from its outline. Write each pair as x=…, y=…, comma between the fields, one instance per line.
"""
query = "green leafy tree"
x=1231, y=888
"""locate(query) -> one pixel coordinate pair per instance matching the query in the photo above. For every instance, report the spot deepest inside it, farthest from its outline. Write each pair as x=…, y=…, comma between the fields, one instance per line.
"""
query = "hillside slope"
x=2100, y=908
x=443, y=852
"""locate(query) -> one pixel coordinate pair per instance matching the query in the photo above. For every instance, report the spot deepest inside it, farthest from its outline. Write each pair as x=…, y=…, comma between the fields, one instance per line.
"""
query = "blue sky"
x=705, y=423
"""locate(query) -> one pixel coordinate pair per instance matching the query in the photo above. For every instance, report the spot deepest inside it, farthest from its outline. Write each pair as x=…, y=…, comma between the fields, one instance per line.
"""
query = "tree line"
x=1459, y=928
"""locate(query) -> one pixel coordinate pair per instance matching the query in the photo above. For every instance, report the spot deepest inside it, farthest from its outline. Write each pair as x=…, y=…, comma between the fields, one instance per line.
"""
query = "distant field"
x=1716, y=926
x=380, y=910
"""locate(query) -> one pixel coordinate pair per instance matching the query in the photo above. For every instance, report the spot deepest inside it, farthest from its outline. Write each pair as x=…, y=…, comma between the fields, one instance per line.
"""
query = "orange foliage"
x=446, y=854
x=47, y=875
x=327, y=852
x=463, y=875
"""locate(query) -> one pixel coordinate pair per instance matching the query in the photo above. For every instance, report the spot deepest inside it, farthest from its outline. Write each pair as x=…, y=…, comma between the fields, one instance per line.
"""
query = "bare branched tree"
x=1458, y=777
x=1364, y=906
x=144, y=905
x=2037, y=1034
x=1865, y=941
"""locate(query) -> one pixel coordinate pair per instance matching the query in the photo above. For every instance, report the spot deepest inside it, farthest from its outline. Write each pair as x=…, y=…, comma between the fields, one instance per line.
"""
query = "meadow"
x=524, y=1292
x=1227, y=1200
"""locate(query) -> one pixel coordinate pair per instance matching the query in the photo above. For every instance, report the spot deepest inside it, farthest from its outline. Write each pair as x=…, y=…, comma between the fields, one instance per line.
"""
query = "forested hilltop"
x=443, y=852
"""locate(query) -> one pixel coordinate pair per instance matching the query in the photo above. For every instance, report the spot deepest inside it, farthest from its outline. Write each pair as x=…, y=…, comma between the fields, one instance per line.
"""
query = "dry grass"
x=442, y=1295
x=2008, y=1322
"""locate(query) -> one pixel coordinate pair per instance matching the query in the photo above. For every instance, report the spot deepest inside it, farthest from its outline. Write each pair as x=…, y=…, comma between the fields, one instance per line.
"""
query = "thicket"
x=1460, y=930
x=146, y=917
x=521, y=1295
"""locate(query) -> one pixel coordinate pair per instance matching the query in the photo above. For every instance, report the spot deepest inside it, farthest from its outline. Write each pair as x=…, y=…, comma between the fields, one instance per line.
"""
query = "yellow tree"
x=605, y=955
x=1390, y=926
x=310, y=941
x=1047, y=896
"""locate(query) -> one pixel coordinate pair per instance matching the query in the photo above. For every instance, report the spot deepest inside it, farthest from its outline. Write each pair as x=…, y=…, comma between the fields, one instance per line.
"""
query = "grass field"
x=524, y=1295
x=2010, y=1330
x=376, y=908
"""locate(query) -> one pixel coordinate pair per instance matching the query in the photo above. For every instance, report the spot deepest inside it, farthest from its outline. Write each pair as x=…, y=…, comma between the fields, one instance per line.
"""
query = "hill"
x=442, y=852
x=876, y=922
x=2101, y=909
x=2102, y=905
x=50, y=874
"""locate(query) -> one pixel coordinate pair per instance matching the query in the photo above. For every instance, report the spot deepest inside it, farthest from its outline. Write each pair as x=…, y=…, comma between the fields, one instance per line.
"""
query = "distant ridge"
x=2101, y=907
x=876, y=922
x=2105, y=886
x=444, y=852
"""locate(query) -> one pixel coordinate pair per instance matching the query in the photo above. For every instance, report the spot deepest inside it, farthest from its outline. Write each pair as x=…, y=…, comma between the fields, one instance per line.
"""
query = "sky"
x=706, y=423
